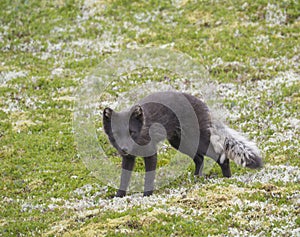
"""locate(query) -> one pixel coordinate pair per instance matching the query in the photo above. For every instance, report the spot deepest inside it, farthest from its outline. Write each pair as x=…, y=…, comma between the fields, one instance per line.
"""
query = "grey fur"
x=234, y=146
x=186, y=123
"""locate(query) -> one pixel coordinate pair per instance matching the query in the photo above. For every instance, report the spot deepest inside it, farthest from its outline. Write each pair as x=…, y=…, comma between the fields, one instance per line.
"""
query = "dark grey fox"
x=187, y=124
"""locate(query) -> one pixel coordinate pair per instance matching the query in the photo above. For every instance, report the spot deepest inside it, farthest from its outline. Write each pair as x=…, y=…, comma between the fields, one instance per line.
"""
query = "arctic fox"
x=186, y=122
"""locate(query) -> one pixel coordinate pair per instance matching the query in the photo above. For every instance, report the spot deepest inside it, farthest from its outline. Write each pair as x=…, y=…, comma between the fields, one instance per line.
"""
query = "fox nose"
x=124, y=150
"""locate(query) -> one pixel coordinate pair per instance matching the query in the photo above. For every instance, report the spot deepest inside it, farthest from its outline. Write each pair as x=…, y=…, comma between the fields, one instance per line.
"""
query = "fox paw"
x=120, y=193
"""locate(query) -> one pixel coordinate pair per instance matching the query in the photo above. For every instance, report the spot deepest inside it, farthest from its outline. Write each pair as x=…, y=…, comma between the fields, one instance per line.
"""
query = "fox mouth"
x=124, y=152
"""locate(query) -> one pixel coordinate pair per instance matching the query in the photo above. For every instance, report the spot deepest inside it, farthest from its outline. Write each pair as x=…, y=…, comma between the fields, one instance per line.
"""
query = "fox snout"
x=125, y=150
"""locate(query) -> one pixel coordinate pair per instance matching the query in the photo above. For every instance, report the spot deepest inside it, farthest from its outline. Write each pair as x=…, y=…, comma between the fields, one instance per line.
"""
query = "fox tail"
x=231, y=144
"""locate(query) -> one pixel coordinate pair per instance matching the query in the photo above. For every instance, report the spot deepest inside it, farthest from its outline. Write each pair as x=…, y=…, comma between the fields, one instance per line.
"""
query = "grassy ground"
x=251, y=48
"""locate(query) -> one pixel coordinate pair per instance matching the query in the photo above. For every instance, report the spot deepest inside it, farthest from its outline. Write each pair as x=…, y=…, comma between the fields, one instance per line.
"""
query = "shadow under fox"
x=186, y=123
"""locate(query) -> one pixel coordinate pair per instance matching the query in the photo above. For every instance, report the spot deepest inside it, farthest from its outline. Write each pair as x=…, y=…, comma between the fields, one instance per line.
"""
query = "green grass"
x=55, y=45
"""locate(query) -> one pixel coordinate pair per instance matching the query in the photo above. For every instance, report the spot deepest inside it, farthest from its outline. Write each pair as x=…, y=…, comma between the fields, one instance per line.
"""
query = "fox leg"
x=198, y=160
x=127, y=167
x=150, y=167
x=225, y=166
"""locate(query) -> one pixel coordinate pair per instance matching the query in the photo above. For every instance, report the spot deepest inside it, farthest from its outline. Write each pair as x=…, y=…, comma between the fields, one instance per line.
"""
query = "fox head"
x=124, y=128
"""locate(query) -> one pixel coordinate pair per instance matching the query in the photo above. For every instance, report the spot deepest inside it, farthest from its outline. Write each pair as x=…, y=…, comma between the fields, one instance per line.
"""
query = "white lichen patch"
x=10, y=75
x=16, y=103
x=204, y=201
x=91, y=8
x=107, y=42
x=57, y=71
x=261, y=217
x=179, y=3
x=280, y=173
x=275, y=15
x=89, y=196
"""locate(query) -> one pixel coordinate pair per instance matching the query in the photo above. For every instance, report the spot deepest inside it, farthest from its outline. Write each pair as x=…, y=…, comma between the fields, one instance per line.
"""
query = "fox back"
x=181, y=118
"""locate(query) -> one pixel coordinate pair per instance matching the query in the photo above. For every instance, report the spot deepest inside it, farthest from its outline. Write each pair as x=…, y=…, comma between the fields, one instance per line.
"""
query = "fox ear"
x=107, y=112
x=138, y=112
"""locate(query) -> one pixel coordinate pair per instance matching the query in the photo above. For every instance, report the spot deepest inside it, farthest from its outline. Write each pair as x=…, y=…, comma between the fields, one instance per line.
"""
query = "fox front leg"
x=127, y=167
x=150, y=167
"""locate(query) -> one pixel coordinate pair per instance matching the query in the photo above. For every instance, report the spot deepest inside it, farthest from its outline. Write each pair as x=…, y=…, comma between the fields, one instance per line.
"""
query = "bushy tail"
x=232, y=145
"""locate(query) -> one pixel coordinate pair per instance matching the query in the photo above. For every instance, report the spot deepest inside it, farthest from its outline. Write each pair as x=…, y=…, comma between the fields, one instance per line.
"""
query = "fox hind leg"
x=225, y=166
x=198, y=160
x=199, y=164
